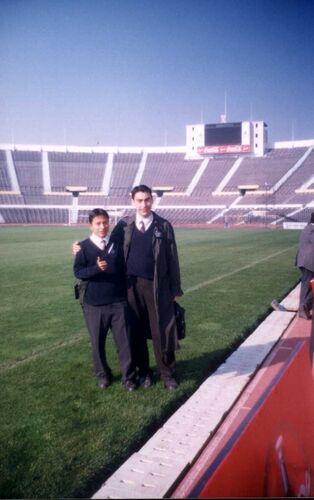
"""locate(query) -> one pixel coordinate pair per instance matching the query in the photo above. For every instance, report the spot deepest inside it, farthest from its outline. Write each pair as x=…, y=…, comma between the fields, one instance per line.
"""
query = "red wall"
x=265, y=447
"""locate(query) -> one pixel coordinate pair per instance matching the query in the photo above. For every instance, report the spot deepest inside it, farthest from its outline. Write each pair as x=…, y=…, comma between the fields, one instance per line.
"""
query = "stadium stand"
x=29, y=172
x=83, y=169
x=33, y=184
x=5, y=184
x=125, y=167
x=268, y=169
x=169, y=169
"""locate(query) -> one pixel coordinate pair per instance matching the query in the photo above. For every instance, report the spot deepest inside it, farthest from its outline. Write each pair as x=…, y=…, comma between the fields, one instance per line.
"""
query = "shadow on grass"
x=194, y=371
x=187, y=371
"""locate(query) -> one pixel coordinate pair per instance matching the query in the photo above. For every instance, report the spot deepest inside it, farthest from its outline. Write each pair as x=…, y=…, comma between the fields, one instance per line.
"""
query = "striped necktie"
x=142, y=227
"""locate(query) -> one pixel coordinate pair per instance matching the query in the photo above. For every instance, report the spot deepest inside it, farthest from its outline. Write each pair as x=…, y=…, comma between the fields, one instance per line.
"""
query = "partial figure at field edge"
x=305, y=262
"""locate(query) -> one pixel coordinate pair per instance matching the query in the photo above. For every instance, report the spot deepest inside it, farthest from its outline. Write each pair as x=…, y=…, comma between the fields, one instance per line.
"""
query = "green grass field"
x=61, y=436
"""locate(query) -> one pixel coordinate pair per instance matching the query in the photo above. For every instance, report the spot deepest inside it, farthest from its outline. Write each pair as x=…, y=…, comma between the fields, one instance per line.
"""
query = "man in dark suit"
x=305, y=261
x=99, y=263
x=153, y=282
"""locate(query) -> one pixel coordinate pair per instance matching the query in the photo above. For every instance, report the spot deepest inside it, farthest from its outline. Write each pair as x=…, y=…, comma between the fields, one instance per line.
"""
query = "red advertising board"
x=265, y=447
x=223, y=149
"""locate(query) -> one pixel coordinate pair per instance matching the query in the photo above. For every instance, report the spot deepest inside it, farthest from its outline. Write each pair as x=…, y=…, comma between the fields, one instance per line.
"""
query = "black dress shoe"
x=103, y=382
x=130, y=385
x=146, y=382
x=170, y=384
x=276, y=306
x=304, y=312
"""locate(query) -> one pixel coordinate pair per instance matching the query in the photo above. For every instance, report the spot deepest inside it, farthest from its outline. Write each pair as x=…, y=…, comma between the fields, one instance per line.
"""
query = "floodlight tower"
x=75, y=190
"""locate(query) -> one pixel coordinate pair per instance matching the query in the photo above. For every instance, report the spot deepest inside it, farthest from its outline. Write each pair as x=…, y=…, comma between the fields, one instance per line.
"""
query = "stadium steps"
x=291, y=171
x=12, y=172
x=140, y=172
x=160, y=464
x=197, y=177
x=46, y=172
x=107, y=175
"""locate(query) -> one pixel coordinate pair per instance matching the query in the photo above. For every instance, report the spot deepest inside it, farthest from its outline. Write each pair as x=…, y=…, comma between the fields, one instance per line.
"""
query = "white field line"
x=6, y=367
x=231, y=273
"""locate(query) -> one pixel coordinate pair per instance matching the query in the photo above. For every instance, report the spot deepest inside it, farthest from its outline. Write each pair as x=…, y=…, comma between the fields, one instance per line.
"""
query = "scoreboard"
x=227, y=138
x=223, y=134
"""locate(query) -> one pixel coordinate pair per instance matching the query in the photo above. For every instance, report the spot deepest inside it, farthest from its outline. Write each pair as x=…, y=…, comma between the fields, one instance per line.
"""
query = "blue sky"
x=136, y=72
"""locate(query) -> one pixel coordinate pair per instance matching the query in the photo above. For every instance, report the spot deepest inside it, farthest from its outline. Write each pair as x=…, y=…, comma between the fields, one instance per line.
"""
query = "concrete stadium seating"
x=204, y=191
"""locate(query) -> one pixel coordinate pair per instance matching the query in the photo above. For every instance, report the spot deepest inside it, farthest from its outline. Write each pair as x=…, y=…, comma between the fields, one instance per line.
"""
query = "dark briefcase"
x=79, y=290
x=180, y=320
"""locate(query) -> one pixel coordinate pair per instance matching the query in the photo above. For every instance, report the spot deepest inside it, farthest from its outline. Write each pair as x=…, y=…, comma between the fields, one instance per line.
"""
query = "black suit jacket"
x=104, y=287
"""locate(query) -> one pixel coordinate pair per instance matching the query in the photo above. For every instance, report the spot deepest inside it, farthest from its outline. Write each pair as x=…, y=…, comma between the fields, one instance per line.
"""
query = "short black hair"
x=312, y=218
x=142, y=188
x=96, y=212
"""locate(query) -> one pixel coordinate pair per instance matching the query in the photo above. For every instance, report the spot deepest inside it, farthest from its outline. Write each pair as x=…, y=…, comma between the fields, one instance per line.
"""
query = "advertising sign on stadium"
x=223, y=149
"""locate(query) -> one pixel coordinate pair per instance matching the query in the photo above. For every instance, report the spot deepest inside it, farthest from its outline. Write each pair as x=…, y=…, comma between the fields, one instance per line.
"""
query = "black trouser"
x=98, y=320
x=306, y=294
x=144, y=321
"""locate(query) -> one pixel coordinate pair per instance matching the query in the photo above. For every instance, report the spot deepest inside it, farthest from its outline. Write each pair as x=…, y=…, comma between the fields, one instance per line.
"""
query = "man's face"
x=143, y=203
x=100, y=226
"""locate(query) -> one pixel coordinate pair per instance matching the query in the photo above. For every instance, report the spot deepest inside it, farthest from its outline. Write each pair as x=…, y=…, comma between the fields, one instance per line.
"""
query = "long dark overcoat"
x=167, y=282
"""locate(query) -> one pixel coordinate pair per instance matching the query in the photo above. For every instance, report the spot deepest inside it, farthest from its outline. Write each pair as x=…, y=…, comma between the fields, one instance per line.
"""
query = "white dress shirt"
x=146, y=221
x=99, y=242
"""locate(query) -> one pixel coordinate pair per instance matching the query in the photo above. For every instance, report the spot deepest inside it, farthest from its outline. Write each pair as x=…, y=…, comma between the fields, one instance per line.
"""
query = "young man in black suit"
x=153, y=277
x=100, y=262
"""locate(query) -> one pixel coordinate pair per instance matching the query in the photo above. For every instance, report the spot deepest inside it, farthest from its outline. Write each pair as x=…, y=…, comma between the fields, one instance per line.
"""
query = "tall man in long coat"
x=305, y=261
x=153, y=277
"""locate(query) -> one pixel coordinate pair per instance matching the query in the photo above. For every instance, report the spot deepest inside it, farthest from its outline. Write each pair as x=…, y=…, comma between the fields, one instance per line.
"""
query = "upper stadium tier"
x=227, y=189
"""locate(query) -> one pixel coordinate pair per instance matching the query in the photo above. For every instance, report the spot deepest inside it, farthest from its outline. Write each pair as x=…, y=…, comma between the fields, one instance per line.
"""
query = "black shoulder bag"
x=179, y=312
